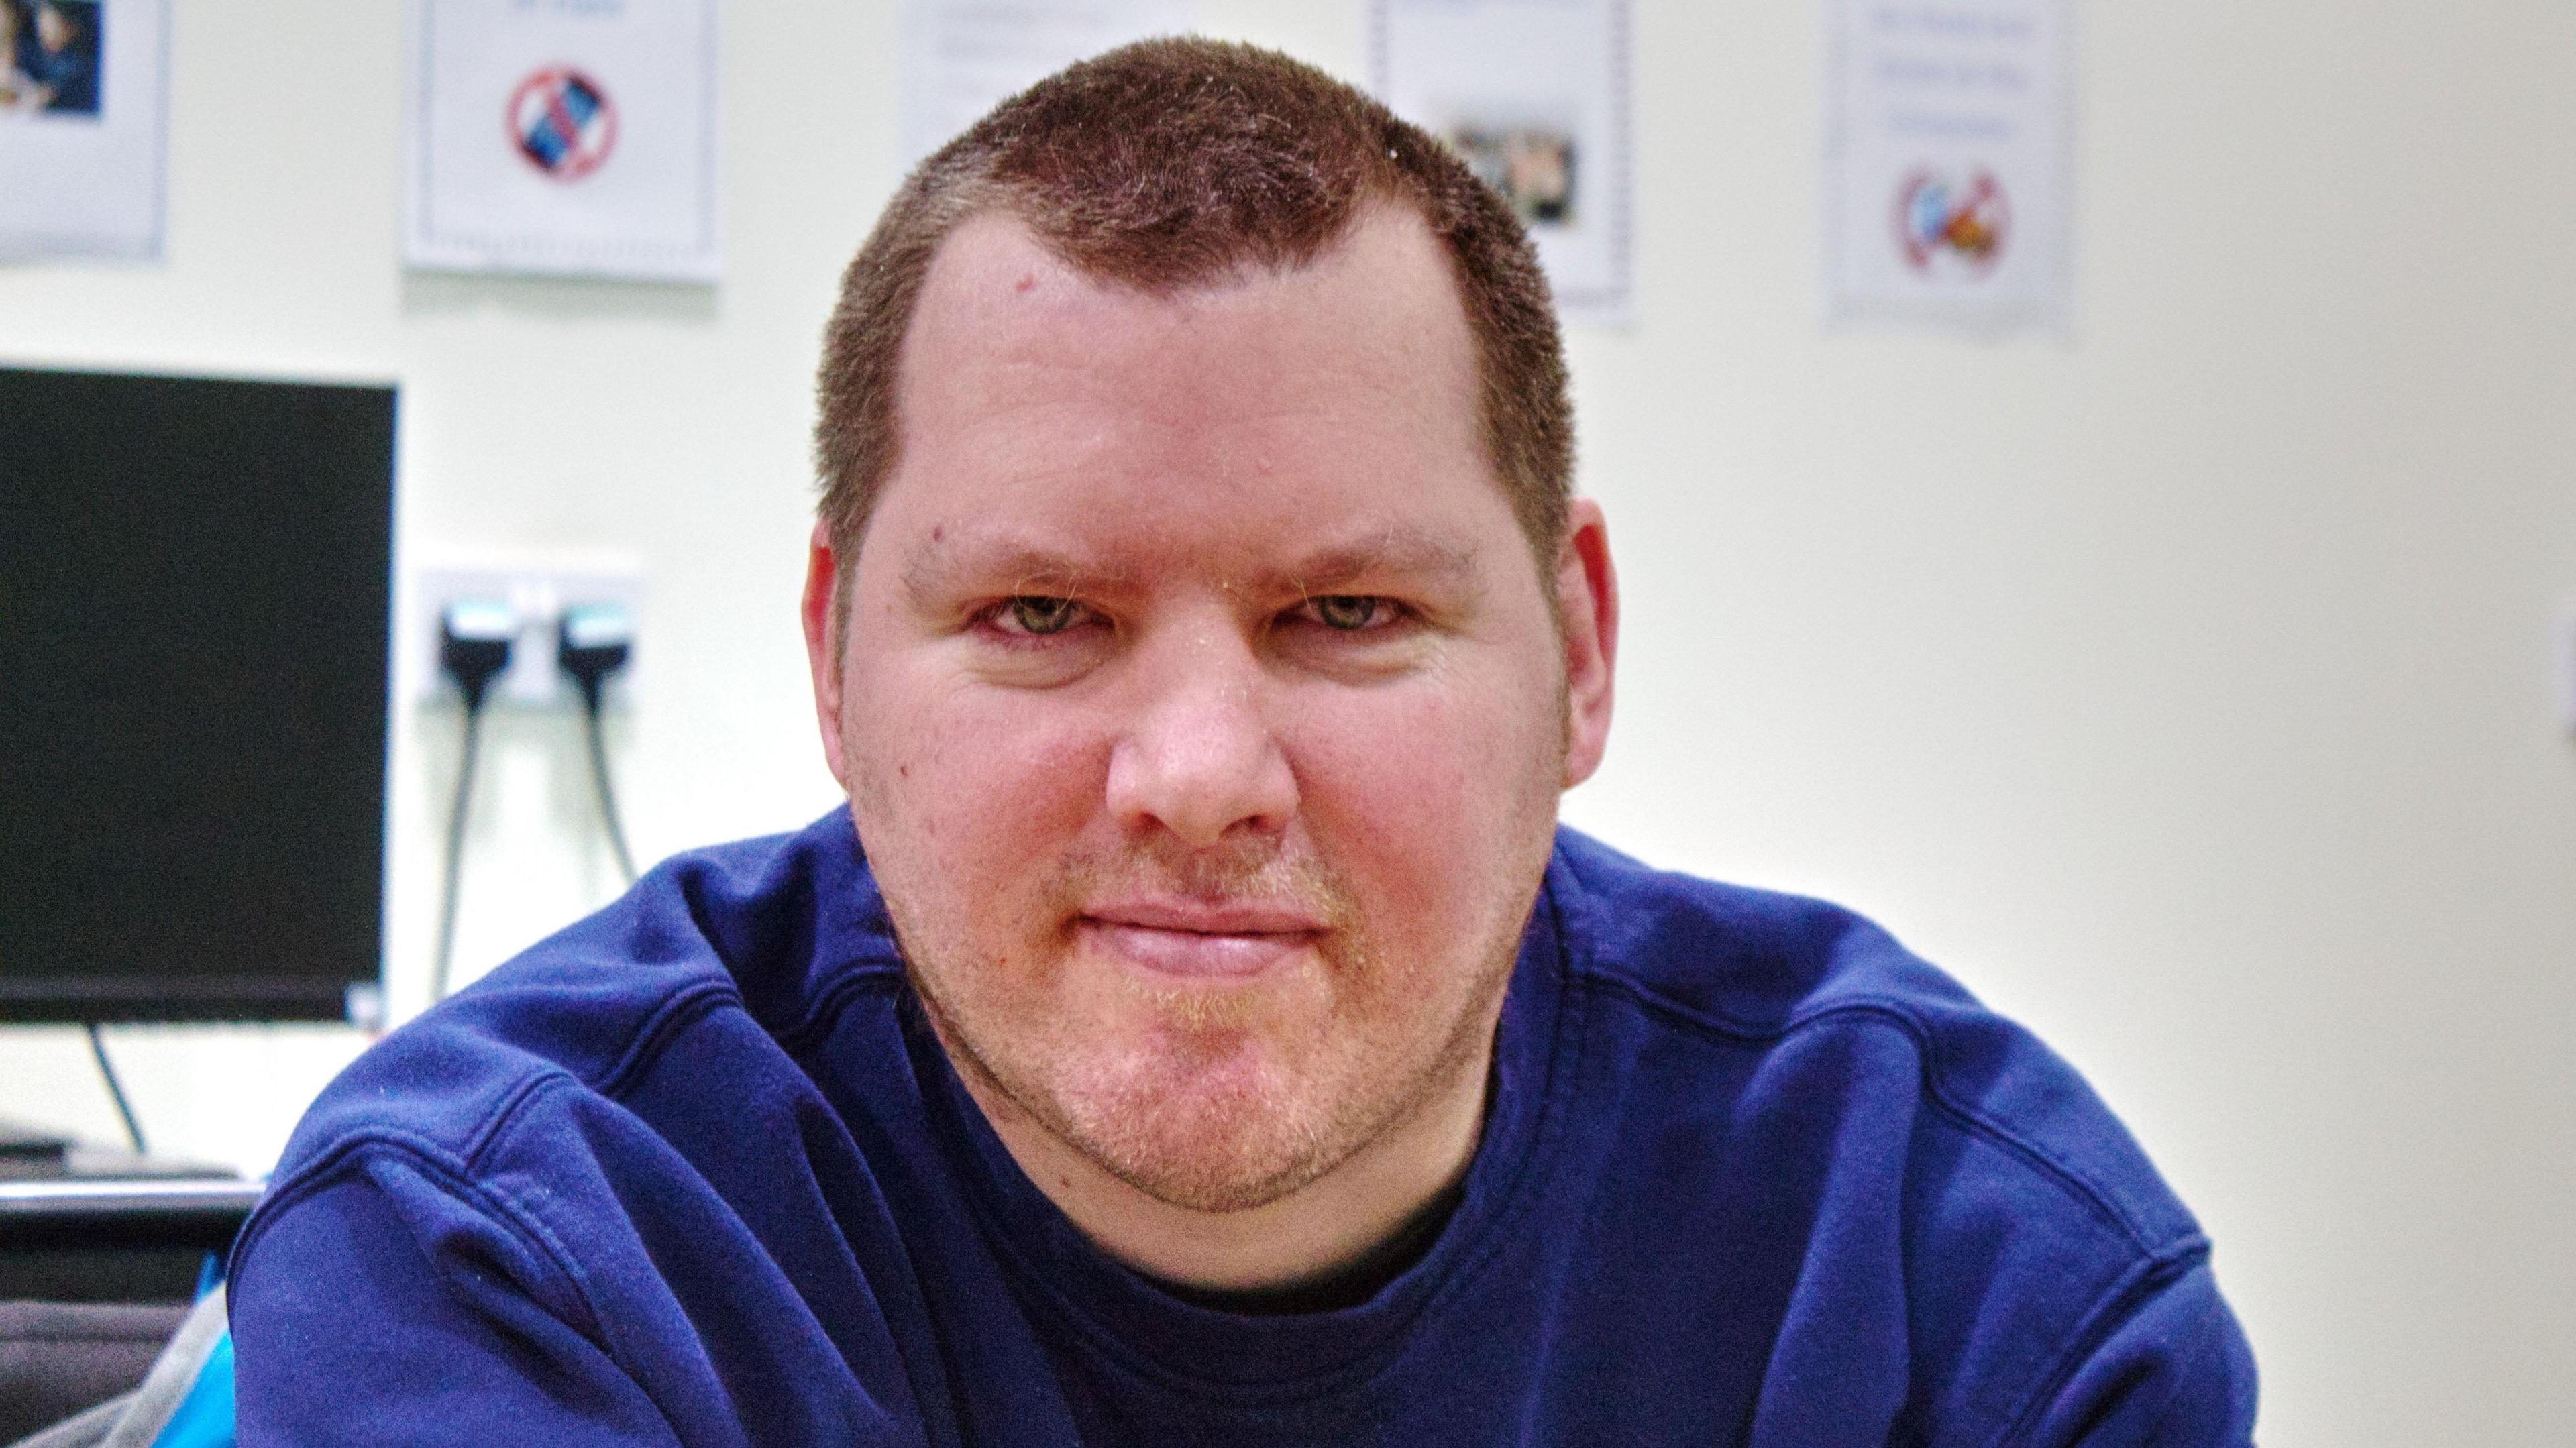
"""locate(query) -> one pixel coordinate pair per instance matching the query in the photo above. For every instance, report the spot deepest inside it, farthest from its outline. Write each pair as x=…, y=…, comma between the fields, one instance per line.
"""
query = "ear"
x=822, y=647
x=1587, y=594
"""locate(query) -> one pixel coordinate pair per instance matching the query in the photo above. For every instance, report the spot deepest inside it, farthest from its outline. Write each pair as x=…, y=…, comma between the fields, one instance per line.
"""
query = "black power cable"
x=447, y=891
x=115, y=1090
x=474, y=647
x=593, y=641
x=607, y=796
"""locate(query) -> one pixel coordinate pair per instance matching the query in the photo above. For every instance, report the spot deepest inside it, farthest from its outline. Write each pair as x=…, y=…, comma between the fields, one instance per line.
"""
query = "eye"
x=1350, y=612
x=1037, y=613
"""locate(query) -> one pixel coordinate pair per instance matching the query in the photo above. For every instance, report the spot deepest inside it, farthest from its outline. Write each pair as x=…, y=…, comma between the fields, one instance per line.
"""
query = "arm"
x=385, y=1307
x=2174, y=1372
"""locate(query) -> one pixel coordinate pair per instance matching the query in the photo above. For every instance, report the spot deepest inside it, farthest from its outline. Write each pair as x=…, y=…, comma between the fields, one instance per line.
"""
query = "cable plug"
x=593, y=641
x=474, y=641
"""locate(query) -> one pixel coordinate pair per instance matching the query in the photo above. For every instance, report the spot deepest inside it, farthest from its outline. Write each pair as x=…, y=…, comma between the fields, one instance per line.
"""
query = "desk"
x=107, y=1226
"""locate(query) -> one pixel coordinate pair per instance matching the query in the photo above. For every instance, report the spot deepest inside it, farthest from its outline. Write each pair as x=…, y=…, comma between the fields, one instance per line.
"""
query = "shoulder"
x=1905, y=1137
x=1773, y=974
x=549, y=1194
x=752, y=938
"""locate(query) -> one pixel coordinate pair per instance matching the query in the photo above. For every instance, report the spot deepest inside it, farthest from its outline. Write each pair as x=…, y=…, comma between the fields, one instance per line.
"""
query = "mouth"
x=1199, y=941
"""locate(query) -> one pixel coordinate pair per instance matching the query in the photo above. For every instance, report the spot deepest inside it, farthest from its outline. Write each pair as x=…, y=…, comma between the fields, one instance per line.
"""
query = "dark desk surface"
x=99, y=1225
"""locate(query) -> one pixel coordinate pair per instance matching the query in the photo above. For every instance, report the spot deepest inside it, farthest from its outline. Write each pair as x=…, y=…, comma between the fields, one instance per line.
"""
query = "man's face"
x=53, y=28
x=1199, y=702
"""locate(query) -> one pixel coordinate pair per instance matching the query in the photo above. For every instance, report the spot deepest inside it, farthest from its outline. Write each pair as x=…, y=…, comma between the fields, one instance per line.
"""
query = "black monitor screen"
x=195, y=577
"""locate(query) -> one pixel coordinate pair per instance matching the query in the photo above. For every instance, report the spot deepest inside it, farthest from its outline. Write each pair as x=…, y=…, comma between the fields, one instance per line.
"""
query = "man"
x=1217, y=1042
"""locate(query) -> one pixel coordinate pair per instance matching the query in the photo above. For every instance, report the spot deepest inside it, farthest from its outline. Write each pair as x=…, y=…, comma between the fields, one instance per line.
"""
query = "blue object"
x=204, y=1418
x=556, y=131
x=695, y=1171
x=210, y=1275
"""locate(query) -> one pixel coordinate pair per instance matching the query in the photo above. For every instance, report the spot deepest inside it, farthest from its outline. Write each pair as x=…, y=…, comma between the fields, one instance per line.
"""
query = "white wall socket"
x=538, y=587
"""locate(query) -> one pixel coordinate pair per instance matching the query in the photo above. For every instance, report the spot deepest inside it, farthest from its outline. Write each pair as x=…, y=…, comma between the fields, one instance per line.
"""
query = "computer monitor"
x=195, y=588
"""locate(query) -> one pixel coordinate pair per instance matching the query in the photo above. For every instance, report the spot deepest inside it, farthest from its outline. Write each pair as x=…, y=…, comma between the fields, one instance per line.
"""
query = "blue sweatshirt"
x=696, y=1172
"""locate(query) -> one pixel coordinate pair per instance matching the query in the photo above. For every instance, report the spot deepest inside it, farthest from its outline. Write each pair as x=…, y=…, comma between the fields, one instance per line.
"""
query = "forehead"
x=1341, y=394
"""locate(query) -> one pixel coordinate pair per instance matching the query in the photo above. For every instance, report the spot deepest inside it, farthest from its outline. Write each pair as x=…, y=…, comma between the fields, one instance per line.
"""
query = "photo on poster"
x=1531, y=163
x=81, y=128
x=563, y=138
x=1533, y=95
x=53, y=54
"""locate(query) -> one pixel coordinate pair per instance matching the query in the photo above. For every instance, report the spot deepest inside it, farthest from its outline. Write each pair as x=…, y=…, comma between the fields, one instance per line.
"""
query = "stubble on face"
x=1228, y=1099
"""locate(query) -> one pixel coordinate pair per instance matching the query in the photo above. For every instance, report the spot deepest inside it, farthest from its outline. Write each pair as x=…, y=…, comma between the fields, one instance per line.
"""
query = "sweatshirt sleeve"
x=2176, y=1372
x=385, y=1306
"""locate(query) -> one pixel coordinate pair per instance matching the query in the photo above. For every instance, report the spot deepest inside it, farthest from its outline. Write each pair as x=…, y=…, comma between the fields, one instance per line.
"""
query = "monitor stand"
x=21, y=1142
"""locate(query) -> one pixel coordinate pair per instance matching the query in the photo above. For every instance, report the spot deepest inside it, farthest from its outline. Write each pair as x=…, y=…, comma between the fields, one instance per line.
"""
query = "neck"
x=1312, y=1234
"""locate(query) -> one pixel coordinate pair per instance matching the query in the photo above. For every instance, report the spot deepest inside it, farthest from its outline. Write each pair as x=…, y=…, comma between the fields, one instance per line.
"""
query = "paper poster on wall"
x=82, y=136
x=1534, y=94
x=1947, y=164
x=963, y=57
x=564, y=138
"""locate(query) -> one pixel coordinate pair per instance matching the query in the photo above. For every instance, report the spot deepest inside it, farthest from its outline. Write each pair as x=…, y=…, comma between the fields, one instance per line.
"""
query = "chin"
x=1221, y=1139
x=1216, y=1096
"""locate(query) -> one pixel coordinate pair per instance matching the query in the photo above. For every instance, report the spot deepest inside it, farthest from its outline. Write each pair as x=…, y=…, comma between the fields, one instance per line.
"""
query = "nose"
x=1198, y=757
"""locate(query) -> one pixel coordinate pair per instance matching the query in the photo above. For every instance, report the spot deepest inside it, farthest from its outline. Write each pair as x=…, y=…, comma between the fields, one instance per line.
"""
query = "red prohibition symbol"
x=1939, y=217
x=562, y=122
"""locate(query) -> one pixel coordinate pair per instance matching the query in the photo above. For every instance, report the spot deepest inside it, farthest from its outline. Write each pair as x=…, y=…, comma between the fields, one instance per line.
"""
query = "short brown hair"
x=1169, y=163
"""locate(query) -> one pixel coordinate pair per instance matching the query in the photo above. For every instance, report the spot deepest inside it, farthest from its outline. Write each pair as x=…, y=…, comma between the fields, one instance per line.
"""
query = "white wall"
x=2181, y=688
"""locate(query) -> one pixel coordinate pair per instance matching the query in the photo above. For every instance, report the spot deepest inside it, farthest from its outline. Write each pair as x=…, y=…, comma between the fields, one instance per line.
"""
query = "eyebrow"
x=934, y=572
x=1400, y=551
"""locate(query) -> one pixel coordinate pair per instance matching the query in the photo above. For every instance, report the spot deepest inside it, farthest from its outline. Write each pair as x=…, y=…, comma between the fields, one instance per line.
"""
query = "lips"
x=1202, y=941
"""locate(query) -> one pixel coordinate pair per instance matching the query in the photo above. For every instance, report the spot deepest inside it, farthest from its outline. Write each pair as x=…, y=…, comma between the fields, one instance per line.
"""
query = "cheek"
x=977, y=785
x=1408, y=788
